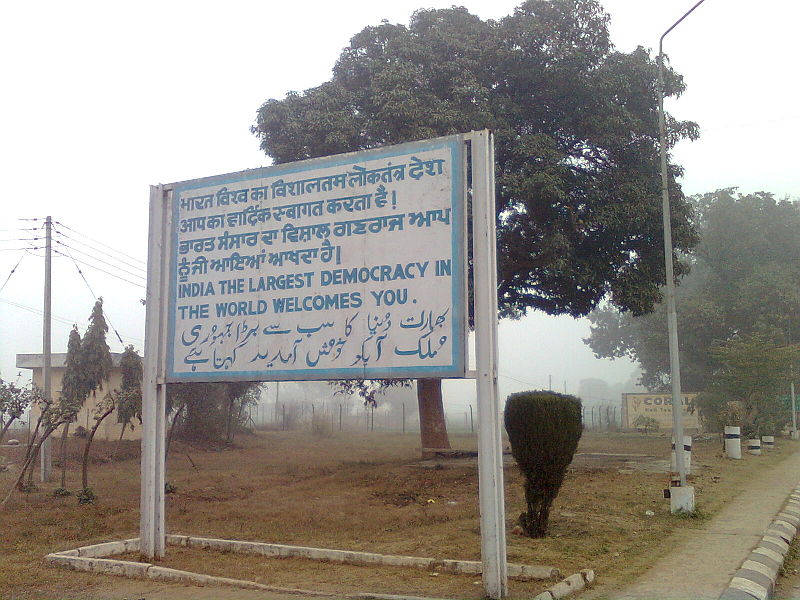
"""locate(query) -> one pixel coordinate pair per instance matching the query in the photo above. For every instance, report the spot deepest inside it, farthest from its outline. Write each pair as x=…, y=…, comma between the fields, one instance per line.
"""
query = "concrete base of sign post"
x=681, y=499
x=96, y=559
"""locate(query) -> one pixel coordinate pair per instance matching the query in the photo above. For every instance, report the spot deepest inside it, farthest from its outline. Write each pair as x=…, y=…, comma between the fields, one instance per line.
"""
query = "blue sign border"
x=457, y=368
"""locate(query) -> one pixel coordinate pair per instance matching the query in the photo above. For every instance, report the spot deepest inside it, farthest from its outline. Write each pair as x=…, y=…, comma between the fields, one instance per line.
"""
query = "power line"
x=105, y=262
x=101, y=243
x=58, y=318
x=103, y=252
x=12, y=271
x=27, y=239
x=101, y=270
x=515, y=379
x=91, y=291
x=38, y=311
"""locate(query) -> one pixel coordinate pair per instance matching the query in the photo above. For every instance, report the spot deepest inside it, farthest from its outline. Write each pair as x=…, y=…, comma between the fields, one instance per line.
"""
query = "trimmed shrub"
x=544, y=429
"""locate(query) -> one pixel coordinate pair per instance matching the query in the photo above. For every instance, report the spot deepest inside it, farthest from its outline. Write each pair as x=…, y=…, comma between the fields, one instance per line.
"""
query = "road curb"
x=572, y=584
x=97, y=559
x=758, y=573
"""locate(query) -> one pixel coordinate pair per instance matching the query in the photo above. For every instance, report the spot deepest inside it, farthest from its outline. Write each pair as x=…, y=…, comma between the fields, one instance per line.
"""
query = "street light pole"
x=672, y=318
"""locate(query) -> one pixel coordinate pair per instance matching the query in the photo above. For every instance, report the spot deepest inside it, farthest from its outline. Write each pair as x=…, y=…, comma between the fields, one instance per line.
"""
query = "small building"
x=111, y=427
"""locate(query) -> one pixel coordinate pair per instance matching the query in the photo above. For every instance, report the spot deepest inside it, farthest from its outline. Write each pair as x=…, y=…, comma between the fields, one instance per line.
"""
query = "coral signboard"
x=658, y=407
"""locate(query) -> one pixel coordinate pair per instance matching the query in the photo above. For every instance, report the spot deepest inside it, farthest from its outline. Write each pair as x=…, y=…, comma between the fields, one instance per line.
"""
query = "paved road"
x=703, y=561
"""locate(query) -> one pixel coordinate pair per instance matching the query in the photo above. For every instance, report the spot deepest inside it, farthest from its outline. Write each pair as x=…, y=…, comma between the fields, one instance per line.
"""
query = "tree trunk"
x=85, y=470
x=32, y=467
x=432, y=424
x=172, y=427
x=5, y=429
x=32, y=438
x=28, y=462
x=119, y=443
x=229, y=427
x=64, y=436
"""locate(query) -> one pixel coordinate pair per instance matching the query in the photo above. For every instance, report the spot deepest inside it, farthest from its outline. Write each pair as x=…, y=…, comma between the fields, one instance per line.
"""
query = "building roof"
x=58, y=360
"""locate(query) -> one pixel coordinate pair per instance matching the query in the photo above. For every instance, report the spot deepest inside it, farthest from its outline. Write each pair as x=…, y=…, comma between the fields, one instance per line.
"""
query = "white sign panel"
x=342, y=267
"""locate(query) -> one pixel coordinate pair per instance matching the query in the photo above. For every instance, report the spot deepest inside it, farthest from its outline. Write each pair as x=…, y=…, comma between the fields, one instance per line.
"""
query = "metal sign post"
x=151, y=525
x=490, y=445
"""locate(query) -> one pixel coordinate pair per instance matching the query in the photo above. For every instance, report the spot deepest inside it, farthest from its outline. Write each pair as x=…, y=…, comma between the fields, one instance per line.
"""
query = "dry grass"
x=361, y=492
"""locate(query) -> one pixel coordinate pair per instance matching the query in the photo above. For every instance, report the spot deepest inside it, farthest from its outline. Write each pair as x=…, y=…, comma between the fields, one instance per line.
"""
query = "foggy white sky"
x=101, y=99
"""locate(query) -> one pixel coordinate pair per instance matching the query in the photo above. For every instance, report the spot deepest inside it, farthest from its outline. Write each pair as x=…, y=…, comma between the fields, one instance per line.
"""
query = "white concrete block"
x=774, y=537
x=526, y=572
x=681, y=499
x=751, y=587
x=166, y=574
x=568, y=586
x=760, y=568
x=769, y=553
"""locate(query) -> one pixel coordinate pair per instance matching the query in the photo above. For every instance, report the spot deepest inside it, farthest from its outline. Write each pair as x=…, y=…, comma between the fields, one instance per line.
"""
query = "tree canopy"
x=73, y=385
x=95, y=353
x=129, y=395
x=576, y=128
x=743, y=282
x=752, y=372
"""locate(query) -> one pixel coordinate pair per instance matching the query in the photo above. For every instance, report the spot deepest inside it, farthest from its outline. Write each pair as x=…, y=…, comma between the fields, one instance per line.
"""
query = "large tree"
x=575, y=121
x=743, y=281
x=752, y=372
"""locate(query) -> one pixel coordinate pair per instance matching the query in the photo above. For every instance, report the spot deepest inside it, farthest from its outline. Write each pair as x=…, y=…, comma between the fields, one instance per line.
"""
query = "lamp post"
x=672, y=318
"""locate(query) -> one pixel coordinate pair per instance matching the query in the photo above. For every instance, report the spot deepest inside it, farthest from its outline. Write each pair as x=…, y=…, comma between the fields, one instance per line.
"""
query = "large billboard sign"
x=349, y=266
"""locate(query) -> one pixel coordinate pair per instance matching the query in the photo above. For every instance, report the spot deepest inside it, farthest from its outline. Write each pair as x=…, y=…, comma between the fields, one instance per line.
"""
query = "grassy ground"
x=363, y=492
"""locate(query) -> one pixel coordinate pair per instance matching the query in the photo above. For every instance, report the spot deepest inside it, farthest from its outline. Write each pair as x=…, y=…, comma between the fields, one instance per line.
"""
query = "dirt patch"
x=363, y=492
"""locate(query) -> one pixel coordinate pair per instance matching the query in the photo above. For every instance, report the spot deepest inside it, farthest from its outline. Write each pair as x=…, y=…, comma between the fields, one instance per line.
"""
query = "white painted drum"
x=733, y=442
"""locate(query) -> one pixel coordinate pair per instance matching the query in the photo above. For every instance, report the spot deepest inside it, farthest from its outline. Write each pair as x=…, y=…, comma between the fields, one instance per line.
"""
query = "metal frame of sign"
x=159, y=367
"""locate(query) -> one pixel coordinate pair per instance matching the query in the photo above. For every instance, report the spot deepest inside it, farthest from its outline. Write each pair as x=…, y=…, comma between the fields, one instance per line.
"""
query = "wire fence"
x=602, y=417
x=331, y=416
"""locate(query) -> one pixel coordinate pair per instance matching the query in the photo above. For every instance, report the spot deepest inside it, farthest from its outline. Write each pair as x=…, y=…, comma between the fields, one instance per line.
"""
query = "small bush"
x=60, y=492
x=86, y=496
x=170, y=488
x=646, y=424
x=544, y=429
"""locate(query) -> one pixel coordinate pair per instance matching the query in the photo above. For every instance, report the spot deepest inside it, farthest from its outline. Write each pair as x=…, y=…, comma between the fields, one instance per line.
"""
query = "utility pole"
x=672, y=315
x=46, y=456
